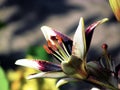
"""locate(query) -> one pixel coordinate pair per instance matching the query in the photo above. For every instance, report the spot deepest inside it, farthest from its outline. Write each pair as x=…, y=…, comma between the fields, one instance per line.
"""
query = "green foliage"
x=38, y=52
x=2, y=24
x=3, y=81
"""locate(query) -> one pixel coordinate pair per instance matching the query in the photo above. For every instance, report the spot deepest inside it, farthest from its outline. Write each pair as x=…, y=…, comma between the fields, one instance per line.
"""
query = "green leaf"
x=38, y=52
x=3, y=81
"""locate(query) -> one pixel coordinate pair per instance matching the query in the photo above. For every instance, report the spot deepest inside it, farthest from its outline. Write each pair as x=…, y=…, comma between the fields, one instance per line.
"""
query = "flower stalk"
x=101, y=84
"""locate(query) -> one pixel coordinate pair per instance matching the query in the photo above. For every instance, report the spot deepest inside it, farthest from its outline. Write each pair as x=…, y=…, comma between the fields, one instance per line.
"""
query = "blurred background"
x=21, y=37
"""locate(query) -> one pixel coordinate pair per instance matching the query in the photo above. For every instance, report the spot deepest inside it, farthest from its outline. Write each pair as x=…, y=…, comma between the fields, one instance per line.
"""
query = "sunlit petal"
x=39, y=65
x=89, y=31
x=49, y=32
x=27, y=63
x=79, y=42
x=47, y=75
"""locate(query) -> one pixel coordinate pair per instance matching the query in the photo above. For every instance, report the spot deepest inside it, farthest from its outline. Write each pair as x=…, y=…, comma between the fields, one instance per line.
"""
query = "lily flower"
x=71, y=55
x=115, y=5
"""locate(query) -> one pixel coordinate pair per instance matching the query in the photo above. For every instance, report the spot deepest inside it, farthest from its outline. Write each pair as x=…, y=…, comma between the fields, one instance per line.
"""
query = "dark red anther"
x=59, y=38
x=53, y=38
x=47, y=49
x=105, y=46
x=50, y=45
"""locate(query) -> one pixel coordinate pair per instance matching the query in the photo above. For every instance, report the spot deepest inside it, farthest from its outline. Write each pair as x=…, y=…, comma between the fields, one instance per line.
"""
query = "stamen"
x=58, y=57
x=105, y=46
x=47, y=49
x=60, y=41
x=65, y=50
x=62, y=52
x=107, y=57
x=58, y=48
x=53, y=38
x=54, y=48
x=54, y=51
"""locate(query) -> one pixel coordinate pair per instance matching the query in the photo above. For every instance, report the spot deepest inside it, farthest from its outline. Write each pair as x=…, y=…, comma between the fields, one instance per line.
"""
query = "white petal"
x=94, y=88
x=64, y=81
x=48, y=32
x=79, y=42
x=47, y=75
x=27, y=63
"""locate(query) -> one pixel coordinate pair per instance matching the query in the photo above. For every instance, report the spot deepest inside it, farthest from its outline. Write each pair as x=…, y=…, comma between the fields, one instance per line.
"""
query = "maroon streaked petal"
x=64, y=37
x=39, y=64
x=65, y=44
x=49, y=33
x=48, y=66
x=66, y=40
x=89, y=31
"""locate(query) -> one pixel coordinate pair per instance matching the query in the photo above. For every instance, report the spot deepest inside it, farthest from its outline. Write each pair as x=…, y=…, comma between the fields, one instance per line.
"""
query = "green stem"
x=102, y=84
